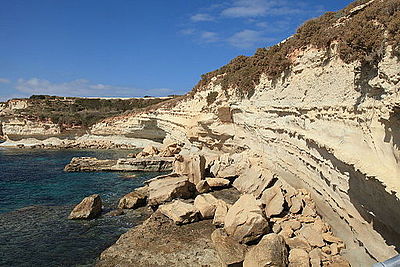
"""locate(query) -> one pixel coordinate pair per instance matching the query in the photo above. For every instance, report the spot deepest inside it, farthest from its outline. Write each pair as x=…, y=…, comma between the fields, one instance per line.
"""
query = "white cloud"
x=82, y=87
x=187, y=31
x=202, y=17
x=248, y=38
x=209, y=37
x=4, y=80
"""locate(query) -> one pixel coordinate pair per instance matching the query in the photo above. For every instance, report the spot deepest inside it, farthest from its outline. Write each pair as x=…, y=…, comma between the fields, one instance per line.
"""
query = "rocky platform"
x=90, y=164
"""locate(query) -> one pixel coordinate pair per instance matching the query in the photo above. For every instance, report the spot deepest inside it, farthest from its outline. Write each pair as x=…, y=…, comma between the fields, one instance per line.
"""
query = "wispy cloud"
x=82, y=87
x=4, y=80
x=248, y=39
x=209, y=37
x=202, y=17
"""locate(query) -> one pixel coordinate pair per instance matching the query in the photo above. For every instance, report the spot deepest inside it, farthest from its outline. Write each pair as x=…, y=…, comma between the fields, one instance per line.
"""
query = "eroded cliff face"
x=326, y=126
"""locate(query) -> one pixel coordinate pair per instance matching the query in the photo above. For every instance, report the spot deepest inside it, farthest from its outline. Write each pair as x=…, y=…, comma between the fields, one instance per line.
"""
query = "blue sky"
x=135, y=48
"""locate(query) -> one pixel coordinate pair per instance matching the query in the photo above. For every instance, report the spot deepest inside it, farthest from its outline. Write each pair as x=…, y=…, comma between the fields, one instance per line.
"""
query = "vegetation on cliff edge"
x=361, y=36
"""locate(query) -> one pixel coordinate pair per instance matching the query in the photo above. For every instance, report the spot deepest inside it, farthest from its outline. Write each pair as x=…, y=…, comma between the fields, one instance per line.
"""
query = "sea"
x=36, y=197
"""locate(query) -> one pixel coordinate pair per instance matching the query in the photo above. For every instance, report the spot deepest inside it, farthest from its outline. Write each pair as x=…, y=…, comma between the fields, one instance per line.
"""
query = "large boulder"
x=270, y=251
x=203, y=187
x=206, y=204
x=192, y=166
x=180, y=212
x=229, y=250
x=254, y=180
x=274, y=200
x=169, y=188
x=245, y=221
x=89, y=208
x=220, y=212
x=134, y=199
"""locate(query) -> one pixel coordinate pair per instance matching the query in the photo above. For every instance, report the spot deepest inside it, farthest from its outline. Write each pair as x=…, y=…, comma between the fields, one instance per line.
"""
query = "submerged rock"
x=89, y=208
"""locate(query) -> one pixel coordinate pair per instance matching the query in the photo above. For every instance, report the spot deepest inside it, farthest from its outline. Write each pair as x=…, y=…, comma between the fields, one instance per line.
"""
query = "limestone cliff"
x=326, y=123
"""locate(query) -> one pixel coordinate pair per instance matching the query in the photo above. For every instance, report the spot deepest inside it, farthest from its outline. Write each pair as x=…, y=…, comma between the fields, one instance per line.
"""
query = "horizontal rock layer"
x=326, y=126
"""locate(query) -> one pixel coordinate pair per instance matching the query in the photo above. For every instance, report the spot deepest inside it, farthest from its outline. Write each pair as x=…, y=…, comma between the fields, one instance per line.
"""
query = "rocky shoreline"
x=209, y=212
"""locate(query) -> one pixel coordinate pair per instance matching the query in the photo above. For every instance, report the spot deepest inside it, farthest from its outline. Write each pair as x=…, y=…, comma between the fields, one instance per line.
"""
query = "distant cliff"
x=46, y=116
x=321, y=110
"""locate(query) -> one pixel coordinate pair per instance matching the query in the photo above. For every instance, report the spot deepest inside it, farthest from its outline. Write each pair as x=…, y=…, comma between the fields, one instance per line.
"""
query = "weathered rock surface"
x=269, y=252
x=169, y=188
x=206, y=204
x=203, y=187
x=229, y=250
x=90, y=164
x=299, y=258
x=160, y=242
x=245, y=221
x=192, y=166
x=135, y=199
x=89, y=208
x=180, y=212
x=253, y=180
x=220, y=212
x=274, y=200
x=218, y=182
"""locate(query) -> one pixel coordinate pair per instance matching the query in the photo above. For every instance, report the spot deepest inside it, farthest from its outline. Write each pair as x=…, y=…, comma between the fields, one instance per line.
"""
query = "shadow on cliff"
x=368, y=195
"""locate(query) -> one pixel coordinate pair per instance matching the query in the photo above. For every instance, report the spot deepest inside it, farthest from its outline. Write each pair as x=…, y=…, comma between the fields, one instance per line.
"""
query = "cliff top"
x=360, y=32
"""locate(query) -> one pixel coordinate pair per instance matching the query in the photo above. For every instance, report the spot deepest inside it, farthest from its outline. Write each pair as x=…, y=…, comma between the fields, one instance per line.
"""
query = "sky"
x=133, y=48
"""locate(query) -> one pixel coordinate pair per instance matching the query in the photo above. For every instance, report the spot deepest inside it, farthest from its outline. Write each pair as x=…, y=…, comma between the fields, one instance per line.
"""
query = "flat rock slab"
x=90, y=164
x=159, y=242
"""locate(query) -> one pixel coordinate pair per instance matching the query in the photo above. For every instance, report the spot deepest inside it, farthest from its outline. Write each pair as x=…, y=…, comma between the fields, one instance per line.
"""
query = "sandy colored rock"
x=298, y=242
x=89, y=208
x=218, y=182
x=245, y=221
x=270, y=251
x=315, y=259
x=192, y=166
x=253, y=180
x=150, y=151
x=298, y=258
x=274, y=200
x=228, y=249
x=180, y=212
x=220, y=212
x=297, y=204
x=203, y=187
x=169, y=188
x=329, y=237
x=206, y=204
x=313, y=237
x=134, y=199
x=338, y=261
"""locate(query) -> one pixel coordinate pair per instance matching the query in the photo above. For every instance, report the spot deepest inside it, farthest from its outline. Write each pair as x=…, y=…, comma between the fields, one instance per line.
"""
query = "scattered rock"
x=228, y=249
x=315, y=258
x=338, y=261
x=254, y=180
x=206, y=204
x=90, y=207
x=218, y=182
x=245, y=221
x=89, y=164
x=134, y=199
x=312, y=236
x=298, y=258
x=169, y=188
x=270, y=251
x=298, y=242
x=203, y=187
x=330, y=238
x=180, y=212
x=274, y=200
x=220, y=212
x=297, y=204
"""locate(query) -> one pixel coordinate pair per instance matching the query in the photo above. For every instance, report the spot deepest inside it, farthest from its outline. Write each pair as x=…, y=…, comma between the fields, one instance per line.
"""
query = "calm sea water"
x=36, y=196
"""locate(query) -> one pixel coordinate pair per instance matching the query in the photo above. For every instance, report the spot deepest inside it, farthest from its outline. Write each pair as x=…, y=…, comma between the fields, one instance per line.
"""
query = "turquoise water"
x=36, y=196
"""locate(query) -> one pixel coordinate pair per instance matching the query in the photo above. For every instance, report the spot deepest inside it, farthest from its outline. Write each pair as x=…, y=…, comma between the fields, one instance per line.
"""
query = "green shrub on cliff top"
x=362, y=38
